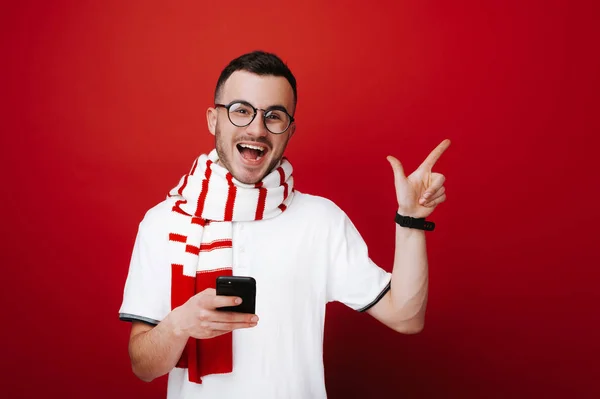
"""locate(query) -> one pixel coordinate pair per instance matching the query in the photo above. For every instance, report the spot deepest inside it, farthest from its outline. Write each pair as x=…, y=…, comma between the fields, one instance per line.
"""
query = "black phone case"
x=244, y=287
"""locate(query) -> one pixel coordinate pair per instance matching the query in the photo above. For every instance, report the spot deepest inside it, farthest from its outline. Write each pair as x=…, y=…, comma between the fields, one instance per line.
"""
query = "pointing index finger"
x=433, y=157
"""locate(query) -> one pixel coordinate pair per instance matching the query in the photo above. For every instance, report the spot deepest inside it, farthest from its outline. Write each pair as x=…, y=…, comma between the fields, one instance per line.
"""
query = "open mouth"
x=251, y=152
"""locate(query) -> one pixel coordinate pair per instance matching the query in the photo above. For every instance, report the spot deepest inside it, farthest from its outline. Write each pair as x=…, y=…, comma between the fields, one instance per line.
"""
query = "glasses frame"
x=227, y=106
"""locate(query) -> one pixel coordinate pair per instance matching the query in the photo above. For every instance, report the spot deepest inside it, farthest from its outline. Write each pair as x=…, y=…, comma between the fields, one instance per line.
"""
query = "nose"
x=257, y=127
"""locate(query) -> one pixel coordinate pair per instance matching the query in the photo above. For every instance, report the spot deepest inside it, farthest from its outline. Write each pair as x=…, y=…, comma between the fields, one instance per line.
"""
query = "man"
x=236, y=213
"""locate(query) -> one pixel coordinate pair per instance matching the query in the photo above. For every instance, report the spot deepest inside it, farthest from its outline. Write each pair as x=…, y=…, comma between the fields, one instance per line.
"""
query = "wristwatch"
x=414, y=223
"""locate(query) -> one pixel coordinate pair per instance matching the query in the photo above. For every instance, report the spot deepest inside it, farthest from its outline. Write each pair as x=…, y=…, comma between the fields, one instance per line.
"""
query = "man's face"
x=246, y=164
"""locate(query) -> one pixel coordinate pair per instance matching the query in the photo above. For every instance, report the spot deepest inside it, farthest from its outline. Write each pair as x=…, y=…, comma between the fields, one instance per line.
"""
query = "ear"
x=292, y=129
x=211, y=120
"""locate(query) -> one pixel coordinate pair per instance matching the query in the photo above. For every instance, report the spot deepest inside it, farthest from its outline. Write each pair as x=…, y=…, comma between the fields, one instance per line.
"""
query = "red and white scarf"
x=208, y=200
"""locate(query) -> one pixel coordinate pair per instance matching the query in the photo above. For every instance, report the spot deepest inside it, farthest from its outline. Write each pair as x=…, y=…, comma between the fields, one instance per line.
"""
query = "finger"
x=218, y=326
x=397, y=168
x=229, y=317
x=433, y=157
x=434, y=196
x=435, y=184
x=435, y=202
x=220, y=301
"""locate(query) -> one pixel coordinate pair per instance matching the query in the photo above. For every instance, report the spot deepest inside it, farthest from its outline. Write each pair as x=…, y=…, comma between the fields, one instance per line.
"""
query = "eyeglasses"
x=241, y=114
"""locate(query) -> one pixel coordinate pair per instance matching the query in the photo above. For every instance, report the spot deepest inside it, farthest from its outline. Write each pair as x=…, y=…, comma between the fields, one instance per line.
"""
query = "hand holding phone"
x=200, y=316
x=243, y=287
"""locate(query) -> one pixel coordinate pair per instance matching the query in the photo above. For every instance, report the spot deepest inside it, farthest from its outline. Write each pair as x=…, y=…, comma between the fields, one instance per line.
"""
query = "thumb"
x=397, y=168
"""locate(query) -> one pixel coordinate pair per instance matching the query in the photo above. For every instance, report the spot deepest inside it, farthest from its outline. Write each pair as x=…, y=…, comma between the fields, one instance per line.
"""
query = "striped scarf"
x=208, y=200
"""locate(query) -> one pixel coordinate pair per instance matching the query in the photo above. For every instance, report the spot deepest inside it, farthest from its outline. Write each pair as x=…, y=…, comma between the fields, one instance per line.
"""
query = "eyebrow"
x=278, y=107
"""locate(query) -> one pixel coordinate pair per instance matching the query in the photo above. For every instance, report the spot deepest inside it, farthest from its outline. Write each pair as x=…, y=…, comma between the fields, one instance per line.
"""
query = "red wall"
x=103, y=110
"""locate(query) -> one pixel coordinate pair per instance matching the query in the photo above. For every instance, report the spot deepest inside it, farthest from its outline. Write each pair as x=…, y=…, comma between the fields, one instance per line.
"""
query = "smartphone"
x=244, y=287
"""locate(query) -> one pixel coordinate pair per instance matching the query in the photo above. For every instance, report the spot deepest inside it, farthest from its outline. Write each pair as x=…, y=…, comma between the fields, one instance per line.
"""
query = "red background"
x=103, y=108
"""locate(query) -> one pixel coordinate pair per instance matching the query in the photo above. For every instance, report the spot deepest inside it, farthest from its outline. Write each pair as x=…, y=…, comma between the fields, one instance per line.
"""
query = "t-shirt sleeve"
x=354, y=278
x=147, y=292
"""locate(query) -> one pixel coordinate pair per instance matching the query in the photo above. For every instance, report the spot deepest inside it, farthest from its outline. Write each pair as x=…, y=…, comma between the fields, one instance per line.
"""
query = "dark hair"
x=260, y=63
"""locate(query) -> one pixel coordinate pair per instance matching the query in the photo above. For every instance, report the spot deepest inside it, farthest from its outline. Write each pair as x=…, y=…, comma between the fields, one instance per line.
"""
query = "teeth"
x=253, y=147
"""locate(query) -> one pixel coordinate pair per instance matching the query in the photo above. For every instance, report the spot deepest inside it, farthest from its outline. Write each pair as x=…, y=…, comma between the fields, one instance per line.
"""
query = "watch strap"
x=414, y=223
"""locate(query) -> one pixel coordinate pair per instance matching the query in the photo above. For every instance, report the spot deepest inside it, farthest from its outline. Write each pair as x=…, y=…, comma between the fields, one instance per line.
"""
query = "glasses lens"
x=241, y=114
x=277, y=121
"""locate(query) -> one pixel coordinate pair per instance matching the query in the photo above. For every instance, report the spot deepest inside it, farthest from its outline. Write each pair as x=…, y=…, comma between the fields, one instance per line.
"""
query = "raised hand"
x=423, y=190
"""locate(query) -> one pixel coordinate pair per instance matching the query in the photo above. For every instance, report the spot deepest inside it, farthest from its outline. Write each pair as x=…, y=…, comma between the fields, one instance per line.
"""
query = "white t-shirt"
x=309, y=255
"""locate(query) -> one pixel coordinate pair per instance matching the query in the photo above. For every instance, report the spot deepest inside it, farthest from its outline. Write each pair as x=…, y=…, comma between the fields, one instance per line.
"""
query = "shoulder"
x=155, y=222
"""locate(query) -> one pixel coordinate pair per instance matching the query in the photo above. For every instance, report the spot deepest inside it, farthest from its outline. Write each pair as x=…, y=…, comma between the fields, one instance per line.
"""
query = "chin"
x=253, y=176
x=249, y=178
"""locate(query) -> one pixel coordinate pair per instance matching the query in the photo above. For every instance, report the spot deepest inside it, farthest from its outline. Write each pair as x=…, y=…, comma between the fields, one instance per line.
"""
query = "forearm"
x=418, y=195
x=409, y=285
x=155, y=352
